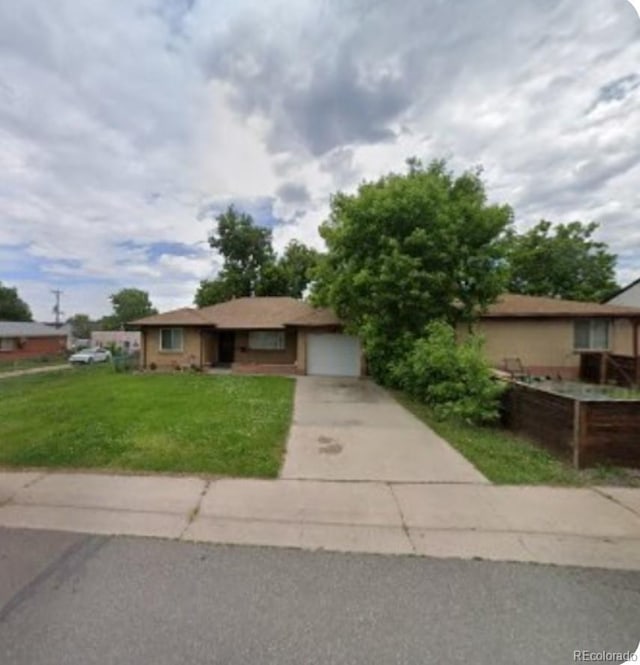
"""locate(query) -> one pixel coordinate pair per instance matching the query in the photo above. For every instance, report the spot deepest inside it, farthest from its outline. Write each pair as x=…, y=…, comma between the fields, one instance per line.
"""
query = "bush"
x=383, y=353
x=124, y=363
x=453, y=378
x=113, y=348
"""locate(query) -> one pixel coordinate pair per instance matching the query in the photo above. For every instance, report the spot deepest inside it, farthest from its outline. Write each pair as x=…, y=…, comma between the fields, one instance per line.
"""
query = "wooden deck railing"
x=605, y=367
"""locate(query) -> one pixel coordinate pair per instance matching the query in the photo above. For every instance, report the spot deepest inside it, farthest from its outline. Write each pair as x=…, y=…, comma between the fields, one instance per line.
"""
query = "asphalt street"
x=75, y=599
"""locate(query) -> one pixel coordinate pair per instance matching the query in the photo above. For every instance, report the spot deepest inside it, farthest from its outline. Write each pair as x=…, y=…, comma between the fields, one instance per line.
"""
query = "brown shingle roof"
x=185, y=316
x=266, y=312
x=322, y=316
x=513, y=305
x=247, y=314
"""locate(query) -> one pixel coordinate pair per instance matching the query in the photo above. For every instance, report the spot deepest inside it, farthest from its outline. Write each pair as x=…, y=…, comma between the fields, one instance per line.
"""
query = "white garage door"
x=333, y=355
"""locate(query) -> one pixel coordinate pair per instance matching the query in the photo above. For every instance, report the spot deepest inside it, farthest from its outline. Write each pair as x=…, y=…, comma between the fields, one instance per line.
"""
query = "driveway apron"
x=351, y=429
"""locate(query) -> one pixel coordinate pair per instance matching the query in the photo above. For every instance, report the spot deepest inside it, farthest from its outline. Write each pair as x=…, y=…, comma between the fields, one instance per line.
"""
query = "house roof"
x=321, y=316
x=64, y=328
x=185, y=316
x=619, y=292
x=247, y=314
x=29, y=329
x=511, y=305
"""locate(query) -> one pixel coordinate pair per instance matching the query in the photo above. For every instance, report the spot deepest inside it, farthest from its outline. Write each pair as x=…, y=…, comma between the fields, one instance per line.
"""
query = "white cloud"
x=119, y=121
x=636, y=5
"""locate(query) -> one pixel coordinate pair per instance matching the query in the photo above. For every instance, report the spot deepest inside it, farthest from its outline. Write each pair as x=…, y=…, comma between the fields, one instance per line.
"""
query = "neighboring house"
x=265, y=335
x=548, y=335
x=126, y=340
x=20, y=339
x=629, y=296
x=64, y=329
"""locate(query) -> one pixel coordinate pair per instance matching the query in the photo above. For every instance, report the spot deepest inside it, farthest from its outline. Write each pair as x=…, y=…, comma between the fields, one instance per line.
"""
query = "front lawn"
x=507, y=459
x=29, y=363
x=95, y=418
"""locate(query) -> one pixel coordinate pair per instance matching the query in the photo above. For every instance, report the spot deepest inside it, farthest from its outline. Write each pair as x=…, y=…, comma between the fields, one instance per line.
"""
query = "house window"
x=591, y=334
x=171, y=339
x=266, y=340
x=7, y=344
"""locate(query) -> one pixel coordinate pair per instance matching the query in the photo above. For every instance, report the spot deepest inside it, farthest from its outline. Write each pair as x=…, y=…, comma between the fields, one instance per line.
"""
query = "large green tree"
x=81, y=326
x=560, y=261
x=409, y=248
x=291, y=273
x=246, y=249
x=212, y=291
x=250, y=265
x=12, y=307
x=128, y=305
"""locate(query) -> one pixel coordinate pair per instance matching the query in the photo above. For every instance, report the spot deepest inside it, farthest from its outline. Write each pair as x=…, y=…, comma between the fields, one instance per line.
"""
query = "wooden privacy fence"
x=588, y=432
x=604, y=367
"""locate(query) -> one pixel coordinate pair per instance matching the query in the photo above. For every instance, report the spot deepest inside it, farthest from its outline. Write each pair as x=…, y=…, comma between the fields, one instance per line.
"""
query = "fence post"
x=577, y=432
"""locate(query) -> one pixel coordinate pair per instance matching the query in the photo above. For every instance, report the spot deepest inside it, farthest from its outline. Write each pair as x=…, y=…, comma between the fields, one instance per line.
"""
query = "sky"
x=126, y=125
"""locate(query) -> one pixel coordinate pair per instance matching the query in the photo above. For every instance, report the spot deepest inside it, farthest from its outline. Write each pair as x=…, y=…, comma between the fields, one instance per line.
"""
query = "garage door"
x=333, y=355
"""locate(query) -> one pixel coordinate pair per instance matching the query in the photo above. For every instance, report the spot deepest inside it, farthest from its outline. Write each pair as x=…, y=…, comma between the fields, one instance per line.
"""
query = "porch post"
x=604, y=362
x=143, y=339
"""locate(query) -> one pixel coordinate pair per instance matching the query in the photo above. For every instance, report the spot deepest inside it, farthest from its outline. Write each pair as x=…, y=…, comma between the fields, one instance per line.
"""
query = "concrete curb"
x=597, y=527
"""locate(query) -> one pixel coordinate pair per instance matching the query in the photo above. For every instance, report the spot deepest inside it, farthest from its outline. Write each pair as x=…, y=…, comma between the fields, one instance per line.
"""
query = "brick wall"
x=35, y=346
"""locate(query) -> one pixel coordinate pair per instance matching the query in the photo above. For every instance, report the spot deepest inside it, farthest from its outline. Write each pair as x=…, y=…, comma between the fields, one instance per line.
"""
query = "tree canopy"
x=560, y=261
x=250, y=265
x=81, y=326
x=409, y=248
x=246, y=249
x=128, y=305
x=12, y=307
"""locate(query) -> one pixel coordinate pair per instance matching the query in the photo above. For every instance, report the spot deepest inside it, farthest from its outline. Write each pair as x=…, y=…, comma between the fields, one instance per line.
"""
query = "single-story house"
x=628, y=296
x=62, y=329
x=255, y=335
x=27, y=339
x=548, y=335
x=125, y=340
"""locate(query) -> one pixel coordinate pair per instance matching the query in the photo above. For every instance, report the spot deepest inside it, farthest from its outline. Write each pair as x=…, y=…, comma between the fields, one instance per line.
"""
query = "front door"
x=226, y=347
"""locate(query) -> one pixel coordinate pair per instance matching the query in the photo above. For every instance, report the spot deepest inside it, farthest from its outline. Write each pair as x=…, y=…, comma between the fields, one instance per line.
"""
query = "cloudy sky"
x=125, y=124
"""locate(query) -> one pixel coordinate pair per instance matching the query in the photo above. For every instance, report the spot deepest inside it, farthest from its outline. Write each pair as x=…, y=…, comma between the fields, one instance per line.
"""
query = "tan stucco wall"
x=287, y=356
x=622, y=338
x=540, y=343
x=190, y=348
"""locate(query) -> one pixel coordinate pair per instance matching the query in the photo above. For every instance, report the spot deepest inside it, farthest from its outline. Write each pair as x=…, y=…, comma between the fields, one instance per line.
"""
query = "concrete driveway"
x=351, y=429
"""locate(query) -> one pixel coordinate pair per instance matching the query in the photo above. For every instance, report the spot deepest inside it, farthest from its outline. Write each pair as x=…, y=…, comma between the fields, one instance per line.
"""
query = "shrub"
x=113, y=348
x=383, y=353
x=153, y=367
x=453, y=378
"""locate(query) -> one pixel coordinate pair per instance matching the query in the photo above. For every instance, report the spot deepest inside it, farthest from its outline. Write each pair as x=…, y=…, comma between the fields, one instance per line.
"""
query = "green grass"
x=510, y=460
x=194, y=423
x=28, y=363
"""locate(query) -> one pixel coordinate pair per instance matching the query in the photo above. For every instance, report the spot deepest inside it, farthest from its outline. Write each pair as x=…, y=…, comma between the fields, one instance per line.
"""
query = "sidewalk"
x=583, y=527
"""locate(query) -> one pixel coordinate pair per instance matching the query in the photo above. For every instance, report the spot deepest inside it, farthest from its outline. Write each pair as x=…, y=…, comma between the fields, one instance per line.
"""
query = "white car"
x=89, y=356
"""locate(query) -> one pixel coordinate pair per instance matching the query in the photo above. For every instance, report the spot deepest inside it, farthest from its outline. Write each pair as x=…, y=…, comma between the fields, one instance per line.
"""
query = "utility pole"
x=56, y=308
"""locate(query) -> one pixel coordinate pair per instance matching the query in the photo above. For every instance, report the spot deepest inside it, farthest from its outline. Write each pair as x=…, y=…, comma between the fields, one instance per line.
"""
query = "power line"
x=56, y=308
